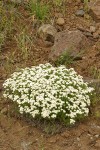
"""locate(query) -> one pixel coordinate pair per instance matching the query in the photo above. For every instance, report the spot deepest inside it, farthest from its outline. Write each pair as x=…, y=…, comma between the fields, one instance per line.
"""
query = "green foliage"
x=39, y=9
x=24, y=43
x=2, y=40
x=64, y=59
x=57, y=2
x=97, y=114
x=60, y=5
x=95, y=72
x=6, y=23
x=86, y=8
x=63, y=95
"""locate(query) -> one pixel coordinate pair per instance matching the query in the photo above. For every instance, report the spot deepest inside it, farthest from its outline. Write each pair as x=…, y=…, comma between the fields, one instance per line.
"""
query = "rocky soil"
x=74, y=31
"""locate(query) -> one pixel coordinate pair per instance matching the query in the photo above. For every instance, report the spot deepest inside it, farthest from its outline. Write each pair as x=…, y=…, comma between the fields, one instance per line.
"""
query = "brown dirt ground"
x=19, y=133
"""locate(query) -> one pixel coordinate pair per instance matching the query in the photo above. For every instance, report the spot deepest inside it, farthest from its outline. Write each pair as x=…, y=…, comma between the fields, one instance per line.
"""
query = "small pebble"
x=60, y=21
x=97, y=135
x=78, y=139
x=92, y=29
x=80, y=13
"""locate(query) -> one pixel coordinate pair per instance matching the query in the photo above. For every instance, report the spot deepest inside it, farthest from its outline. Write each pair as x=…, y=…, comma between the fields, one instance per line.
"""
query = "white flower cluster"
x=49, y=92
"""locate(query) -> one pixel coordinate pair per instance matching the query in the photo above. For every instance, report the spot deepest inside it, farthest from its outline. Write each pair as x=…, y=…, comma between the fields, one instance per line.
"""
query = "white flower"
x=45, y=113
x=48, y=91
x=72, y=121
x=53, y=116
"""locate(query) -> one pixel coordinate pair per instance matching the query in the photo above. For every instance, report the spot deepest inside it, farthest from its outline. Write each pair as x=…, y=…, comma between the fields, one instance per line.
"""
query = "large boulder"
x=95, y=10
x=71, y=42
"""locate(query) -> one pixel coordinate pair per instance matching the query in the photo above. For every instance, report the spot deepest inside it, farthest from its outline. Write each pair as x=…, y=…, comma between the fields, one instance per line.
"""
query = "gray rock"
x=80, y=13
x=71, y=42
x=95, y=10
x=92, y=29
x=47, y=32
x=88, y=34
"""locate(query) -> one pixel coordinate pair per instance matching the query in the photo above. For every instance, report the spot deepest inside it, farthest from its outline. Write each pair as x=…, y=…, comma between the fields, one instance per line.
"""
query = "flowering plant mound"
x=49, y=92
